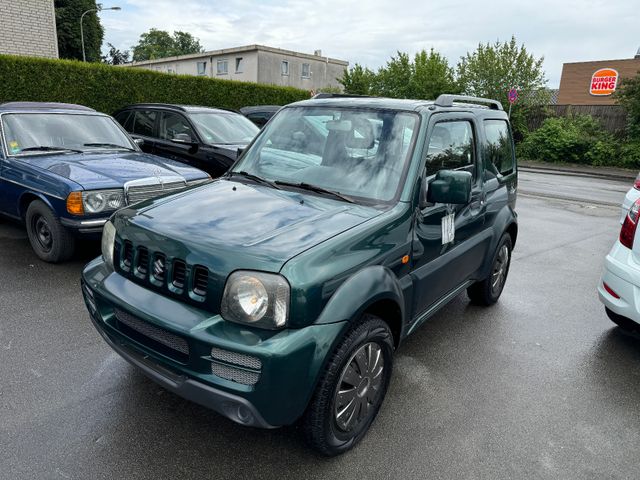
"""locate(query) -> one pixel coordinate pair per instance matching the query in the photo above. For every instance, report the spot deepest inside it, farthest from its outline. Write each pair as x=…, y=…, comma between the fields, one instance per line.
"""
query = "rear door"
x=439, y=266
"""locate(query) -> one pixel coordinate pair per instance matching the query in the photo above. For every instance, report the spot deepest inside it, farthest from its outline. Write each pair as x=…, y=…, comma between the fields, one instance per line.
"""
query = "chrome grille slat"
x=144, y=189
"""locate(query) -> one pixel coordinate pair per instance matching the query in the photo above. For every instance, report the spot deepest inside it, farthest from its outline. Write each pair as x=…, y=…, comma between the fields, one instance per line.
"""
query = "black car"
x=260, y=114
x=206, y=138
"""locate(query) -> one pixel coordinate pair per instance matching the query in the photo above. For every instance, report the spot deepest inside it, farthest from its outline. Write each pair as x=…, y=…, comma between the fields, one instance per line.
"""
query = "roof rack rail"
x=338, y=95
x=45, y=105
x=446, y=100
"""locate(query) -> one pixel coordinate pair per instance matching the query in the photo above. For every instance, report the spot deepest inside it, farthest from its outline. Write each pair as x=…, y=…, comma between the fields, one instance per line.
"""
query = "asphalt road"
x=585, y=189
x=542, y=385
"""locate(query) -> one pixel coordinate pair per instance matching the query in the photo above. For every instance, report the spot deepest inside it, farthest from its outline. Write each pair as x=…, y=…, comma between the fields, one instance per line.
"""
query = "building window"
x=202, y=68
x=223, y=67
x=285, y=67
x=306, y=70
x=169, y=70
x=239, y=64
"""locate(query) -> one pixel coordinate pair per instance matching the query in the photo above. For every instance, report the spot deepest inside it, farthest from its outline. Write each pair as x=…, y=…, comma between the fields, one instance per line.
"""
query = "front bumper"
x=93, y=225
x=281, y=375
x=622, y=274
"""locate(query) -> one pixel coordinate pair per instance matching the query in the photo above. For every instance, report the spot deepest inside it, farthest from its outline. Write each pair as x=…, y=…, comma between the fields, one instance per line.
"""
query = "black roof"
x=43, y=106
x=181, y=108
x=260, y=108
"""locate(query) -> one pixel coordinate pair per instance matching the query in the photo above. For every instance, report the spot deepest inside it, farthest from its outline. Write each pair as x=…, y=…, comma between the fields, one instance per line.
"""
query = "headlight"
x=96, y=201
x=256, y=298
x=108, y=241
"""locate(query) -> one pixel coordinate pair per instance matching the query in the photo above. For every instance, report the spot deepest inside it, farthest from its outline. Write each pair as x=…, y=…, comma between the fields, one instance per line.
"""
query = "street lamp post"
x=99, y=9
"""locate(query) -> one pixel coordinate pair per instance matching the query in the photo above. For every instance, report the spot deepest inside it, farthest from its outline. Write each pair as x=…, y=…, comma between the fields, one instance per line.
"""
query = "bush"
x=578, y=139
x=107, y=88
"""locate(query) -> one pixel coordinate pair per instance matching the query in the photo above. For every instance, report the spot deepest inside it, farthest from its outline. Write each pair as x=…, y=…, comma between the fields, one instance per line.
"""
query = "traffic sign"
x=513, y=96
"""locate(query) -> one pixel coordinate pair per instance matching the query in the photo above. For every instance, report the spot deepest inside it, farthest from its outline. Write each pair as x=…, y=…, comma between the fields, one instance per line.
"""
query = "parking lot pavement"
x=539, y=386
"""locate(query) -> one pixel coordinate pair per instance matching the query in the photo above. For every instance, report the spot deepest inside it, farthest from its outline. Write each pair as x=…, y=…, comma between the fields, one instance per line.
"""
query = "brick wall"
x=28, y=27
x=576, y=80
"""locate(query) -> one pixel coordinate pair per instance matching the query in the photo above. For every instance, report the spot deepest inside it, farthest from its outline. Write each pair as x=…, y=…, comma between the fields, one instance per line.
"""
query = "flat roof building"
x=28, y=27
x=255, y=63
x=593, y=83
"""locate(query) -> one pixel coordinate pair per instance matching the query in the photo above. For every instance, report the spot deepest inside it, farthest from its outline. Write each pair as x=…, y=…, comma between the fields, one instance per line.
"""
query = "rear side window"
x=451, y=147
x=144, y=121
x=499, y=151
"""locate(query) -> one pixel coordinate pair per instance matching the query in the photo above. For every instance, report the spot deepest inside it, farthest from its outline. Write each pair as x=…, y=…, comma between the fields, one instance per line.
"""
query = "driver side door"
x=442, y=264
x=174, y=126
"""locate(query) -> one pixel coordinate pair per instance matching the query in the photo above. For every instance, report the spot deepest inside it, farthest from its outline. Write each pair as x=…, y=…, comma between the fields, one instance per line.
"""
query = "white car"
x=630, y=198
x=619, y=287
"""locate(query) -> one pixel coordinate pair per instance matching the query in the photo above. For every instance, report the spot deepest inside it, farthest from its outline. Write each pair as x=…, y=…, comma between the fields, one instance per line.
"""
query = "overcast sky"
x=370, y=31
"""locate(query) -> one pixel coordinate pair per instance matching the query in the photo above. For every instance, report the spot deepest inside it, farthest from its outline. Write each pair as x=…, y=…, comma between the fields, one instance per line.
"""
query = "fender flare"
x=360, y=291
x=504, y=220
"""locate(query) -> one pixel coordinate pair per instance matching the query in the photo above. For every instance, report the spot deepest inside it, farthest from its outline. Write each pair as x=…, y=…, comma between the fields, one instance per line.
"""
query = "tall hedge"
x=107, y=88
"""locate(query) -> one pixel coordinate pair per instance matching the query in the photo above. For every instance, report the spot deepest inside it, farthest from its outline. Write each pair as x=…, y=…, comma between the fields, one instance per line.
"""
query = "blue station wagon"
x=64, y=169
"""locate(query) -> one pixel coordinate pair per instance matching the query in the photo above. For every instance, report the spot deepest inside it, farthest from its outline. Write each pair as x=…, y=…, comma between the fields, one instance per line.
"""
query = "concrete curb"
x=608, y=175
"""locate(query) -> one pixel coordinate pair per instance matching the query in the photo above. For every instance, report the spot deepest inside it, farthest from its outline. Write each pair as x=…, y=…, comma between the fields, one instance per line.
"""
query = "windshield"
x=25, y=133
x=359, y=153
x=228, y=128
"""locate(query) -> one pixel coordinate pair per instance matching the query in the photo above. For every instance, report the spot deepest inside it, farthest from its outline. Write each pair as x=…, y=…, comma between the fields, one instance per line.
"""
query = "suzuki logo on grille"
x=158, y=268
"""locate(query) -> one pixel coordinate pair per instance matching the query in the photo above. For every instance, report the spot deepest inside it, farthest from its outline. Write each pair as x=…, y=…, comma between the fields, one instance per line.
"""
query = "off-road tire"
x=50, y=240
x=319, y=423
x=483, y=292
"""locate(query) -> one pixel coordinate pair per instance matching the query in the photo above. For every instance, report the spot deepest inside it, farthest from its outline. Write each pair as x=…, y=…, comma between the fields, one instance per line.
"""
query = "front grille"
x=200, y=280
x=158, y=271
x=156, y=338
x=179, y=274
x=140, y=193
x=237, y=375
x=127, y=255
x=142, y=264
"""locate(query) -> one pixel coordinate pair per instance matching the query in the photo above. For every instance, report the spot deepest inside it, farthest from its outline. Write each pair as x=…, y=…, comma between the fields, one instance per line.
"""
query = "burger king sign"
x=604, y=81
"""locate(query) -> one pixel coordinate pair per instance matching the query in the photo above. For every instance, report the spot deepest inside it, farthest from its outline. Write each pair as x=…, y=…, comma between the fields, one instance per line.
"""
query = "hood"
x=113, y=169
x=228, y=226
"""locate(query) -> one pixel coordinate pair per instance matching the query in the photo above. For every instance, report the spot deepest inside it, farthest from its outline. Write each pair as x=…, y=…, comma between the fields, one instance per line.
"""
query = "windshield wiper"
x=253, y=177
x=108, y=145
x=50, y=148
x=317, y=189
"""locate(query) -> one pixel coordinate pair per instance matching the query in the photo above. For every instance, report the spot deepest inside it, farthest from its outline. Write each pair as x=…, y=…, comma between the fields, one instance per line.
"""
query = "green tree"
x=628, y=95
x=432, y=76
x=115, y=56
x=68, y=13
x=492, y=70
x=425, y=77
x=358, y=80
x=160, y=44
x=394, y=79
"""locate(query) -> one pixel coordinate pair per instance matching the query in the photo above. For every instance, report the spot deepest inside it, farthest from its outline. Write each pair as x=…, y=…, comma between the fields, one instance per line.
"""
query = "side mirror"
x=450, y=186
x=182, y=138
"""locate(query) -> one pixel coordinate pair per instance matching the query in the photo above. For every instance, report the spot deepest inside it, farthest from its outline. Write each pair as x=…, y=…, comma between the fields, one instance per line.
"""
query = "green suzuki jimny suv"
x=280, y=291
